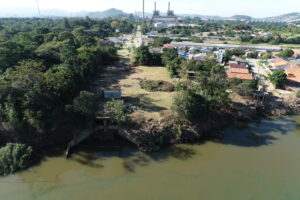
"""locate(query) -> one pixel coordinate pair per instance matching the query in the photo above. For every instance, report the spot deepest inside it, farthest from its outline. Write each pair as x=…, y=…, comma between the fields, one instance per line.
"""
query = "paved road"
x=138, y=37
x=260, y=71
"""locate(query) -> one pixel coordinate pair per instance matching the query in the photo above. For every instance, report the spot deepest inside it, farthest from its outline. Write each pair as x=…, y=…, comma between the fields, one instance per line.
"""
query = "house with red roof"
x=239, y=71
x=293, y=76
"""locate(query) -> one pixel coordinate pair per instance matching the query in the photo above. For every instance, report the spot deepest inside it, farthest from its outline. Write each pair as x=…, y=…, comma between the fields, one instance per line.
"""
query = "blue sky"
x=255, y=8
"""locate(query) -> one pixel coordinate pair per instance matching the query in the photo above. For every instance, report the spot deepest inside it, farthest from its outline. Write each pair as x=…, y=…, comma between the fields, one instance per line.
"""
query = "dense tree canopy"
x=44, y=66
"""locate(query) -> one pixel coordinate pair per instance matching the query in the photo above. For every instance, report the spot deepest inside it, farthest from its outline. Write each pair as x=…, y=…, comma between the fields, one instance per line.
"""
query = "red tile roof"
x=239, y=71
x=293, y=74
x=237, y=68
x=240, y=76
x=169, y=46
x=241, y=66
x=276, y=60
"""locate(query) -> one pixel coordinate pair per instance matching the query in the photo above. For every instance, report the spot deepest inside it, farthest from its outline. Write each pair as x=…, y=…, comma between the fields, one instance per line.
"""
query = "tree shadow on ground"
x=110, y=75
x=144, y=103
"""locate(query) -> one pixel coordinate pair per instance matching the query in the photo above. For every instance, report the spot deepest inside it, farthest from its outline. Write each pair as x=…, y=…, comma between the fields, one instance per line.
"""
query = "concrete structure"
x=170, y=18
x=226, y=46
x=198, y=57
x=112, y=94
x=220, y=56
x=161, y=25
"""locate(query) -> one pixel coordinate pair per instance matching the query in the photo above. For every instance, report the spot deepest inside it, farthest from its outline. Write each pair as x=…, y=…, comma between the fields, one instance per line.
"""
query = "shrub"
x=86, y=104
x=116, y=110
x=14, y=157
x=243, y=87
x=287, y=53
x=157, y=86
x=278, y=78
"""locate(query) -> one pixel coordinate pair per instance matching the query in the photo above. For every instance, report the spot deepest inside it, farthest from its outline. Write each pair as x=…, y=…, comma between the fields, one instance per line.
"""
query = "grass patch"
x=149, y=102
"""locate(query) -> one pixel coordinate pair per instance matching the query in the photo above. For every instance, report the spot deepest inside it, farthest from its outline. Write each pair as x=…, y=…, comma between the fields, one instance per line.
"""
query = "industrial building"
x=170, y=18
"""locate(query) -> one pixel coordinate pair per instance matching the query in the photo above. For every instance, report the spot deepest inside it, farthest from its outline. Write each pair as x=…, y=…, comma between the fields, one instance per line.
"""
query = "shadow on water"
x=258, y=134
x=93, y=153
x=141, y=159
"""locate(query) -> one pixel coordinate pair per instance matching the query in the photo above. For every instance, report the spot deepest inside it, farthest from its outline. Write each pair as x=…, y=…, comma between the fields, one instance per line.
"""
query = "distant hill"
x=290, y=17
x=113, y=12
x=107, y=13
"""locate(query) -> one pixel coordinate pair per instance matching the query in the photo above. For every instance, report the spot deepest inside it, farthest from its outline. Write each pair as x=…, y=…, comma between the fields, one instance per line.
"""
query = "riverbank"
x=152, y=133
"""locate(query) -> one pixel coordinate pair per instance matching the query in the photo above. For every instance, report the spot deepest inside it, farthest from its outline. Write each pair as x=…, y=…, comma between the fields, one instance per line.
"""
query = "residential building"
x=227, y=46
x=281, y=64
x=293, y=76
x=161, y=25
x=239, y=71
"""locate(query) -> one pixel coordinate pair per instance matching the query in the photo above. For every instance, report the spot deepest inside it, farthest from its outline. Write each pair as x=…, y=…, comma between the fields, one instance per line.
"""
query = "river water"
x=257, y=161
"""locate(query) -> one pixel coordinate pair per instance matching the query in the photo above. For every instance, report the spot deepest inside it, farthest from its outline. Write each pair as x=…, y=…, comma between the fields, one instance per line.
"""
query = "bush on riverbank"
x=243, y=87
x=14, y=157
x=116, y=110
x=157, y=86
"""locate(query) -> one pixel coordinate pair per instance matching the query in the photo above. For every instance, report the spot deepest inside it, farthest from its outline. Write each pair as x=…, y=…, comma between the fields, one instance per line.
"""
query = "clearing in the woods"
x=146, y=104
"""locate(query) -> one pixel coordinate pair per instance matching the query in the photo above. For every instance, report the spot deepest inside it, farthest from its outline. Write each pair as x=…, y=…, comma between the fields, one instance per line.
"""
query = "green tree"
x=266, y=56
x=278, y=78
x=189, y=105
x=59, y=80
x=287, y=53
x=159, y=42
x=169, y=55
x=14, y=157
x=116, y=110
x=86, y=104
x=143, y=56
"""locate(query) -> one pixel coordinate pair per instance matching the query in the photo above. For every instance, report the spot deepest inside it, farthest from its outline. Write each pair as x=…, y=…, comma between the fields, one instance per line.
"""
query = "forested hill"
x=286, y=17
x=107, y=13
x=45, y=68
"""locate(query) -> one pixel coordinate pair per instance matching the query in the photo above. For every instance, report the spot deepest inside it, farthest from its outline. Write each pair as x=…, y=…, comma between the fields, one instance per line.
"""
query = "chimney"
x=155, y=6
x=169, y=7
x=143, y=9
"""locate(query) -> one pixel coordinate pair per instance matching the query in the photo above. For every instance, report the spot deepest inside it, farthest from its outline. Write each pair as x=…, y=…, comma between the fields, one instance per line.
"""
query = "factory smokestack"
x=169, y=7
x=143, y=9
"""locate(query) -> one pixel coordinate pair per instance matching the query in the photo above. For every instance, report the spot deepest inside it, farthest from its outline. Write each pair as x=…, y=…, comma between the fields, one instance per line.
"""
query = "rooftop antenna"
x=38, y=7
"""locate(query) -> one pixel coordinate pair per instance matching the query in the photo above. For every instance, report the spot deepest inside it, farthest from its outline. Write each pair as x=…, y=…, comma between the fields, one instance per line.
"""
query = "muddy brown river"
x=256, y=161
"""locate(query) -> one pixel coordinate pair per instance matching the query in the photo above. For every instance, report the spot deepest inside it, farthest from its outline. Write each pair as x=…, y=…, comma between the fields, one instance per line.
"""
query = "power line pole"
x=38, y=7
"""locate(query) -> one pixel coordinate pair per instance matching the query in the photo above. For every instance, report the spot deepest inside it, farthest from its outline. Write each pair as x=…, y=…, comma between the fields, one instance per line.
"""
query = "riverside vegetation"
x=45, y=67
